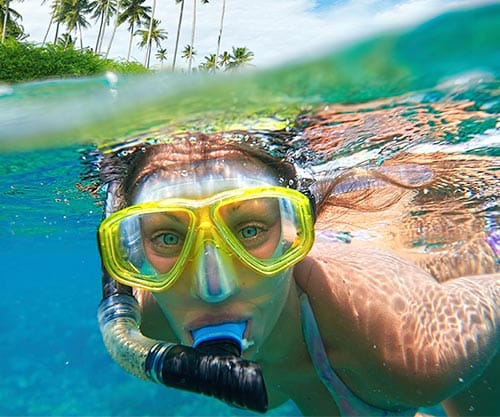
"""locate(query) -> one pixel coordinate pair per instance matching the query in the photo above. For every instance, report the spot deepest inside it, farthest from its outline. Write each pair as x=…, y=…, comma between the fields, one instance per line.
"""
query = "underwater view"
x=425, y=100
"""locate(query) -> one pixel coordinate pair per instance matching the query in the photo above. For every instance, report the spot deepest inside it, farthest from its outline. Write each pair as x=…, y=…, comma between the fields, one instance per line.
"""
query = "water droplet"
x=374, y=346
x=461, y=380
x=111, y=77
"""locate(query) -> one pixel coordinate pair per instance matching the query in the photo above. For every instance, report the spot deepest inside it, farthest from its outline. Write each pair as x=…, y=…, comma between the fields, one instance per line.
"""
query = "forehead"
x=202, y=179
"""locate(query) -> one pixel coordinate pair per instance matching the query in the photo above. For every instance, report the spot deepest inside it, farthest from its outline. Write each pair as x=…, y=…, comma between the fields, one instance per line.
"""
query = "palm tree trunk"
x=52, y=18
x=148, y=42
x=130, y=42
x=48, y=29
x=115, y=26
x=221, y=27
x=81, y=36
x=150, y=47
x=104, y=24
x=178, y=34
x=57, y=32
x=193, y=28
x=99, y=34
x=5, y=19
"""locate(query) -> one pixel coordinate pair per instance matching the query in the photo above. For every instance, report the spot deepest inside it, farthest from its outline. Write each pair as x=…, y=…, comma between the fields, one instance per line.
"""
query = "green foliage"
x=239, y=58
x=126, y=67
x=25, y=62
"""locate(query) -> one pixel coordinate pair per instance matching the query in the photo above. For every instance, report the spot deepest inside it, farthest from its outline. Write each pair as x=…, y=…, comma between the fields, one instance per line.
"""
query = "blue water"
x=53, y=360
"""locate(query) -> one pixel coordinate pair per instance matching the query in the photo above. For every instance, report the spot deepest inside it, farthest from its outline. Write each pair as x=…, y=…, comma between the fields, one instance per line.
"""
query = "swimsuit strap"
x=349, y=404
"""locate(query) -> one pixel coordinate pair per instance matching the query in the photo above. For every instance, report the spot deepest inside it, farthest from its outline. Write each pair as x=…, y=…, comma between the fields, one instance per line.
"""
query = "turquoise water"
x=433, y=87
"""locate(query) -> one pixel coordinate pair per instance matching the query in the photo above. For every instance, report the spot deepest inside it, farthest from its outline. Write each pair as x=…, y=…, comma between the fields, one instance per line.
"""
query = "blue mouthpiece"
x=233, y=331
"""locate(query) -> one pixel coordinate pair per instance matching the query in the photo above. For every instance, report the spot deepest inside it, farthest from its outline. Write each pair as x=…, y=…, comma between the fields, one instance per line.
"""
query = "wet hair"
x=129, y=166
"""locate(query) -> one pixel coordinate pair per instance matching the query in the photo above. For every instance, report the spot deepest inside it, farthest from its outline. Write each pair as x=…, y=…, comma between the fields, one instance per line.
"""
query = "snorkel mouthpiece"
x=231, y=332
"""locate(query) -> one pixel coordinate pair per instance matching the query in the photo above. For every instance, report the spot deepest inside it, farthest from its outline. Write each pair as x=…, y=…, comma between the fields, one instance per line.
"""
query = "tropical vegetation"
x=64, y=37
x=22, y=61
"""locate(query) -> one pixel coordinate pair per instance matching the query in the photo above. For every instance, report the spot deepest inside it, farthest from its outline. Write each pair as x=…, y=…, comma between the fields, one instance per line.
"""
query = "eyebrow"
x=163, y=215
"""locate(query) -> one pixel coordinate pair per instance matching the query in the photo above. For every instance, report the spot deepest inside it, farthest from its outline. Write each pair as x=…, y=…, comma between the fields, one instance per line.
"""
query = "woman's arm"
x=394, y=334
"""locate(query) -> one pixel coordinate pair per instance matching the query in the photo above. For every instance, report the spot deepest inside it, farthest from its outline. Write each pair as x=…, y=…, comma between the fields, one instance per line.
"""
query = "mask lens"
x=153, y=245
x=265, y=231
x=255, y=224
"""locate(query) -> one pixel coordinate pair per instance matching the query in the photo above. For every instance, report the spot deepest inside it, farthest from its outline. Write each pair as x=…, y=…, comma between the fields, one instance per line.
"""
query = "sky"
x=276, y=31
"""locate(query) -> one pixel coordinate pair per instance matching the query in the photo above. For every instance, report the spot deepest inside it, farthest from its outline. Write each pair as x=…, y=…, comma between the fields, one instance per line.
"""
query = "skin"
x=397, y=337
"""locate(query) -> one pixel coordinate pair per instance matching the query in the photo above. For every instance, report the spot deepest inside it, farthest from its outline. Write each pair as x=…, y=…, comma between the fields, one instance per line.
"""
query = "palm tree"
x=135, y=13
x=155, y=35
x=241, y=57
x=193, y=30
x=188, y=53
x=54, y=6
x=8, y=17
x=66, y=41
x=224, y=59
x=223, y=12
x=103, y=10
x=161, y=55
x=178, y=31
x=73, y=14
x=115, y=25
x=148, y=43
x=57, y=7
x=6, y=12
x=210, y=63
x=193, y=27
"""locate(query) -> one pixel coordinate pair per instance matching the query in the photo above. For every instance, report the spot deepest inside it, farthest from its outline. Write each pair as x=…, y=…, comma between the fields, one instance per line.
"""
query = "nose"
x=215, y=275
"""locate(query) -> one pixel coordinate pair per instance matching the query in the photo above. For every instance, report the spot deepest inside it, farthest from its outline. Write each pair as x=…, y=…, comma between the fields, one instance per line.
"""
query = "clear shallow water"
x=433, y=88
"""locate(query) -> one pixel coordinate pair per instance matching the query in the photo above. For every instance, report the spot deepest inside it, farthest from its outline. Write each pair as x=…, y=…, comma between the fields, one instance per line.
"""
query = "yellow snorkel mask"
x=149, y=245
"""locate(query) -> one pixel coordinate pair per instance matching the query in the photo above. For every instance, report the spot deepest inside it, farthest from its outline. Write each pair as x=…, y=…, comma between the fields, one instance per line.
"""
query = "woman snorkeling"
x=223, y=275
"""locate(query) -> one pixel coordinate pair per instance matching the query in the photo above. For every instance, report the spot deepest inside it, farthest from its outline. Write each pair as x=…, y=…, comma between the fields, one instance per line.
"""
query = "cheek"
x=268, y=307
x=267, y=250
x=160, y=263
x=174, y=311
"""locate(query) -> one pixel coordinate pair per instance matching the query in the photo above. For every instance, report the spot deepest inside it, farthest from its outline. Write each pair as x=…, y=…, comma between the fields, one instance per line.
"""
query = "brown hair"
x=129, y=166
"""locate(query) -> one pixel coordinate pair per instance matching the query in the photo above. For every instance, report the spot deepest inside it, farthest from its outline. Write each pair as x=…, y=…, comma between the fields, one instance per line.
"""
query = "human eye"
x=251, y=235
x=164, y=234
x=250, y=231
x=166, y=242
x=167, y=238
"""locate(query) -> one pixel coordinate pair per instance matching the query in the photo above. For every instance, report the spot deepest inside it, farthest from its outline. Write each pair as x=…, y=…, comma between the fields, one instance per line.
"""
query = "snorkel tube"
x=212, y=367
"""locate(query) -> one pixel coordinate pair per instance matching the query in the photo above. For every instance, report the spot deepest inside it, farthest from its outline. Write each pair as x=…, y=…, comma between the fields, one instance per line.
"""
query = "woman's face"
x=216, y=287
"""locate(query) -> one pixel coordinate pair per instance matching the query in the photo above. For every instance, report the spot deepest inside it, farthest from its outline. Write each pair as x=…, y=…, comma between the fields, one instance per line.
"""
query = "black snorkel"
x=214, y=367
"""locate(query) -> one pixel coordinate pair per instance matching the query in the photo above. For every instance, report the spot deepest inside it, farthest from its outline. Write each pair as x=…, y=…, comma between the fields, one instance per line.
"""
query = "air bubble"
x=111, y=77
